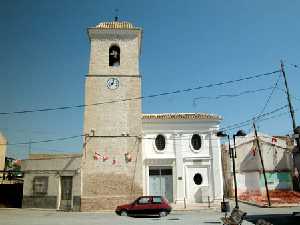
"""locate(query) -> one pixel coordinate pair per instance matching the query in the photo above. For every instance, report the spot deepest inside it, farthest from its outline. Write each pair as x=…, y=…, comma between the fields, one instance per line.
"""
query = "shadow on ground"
x=275, y=219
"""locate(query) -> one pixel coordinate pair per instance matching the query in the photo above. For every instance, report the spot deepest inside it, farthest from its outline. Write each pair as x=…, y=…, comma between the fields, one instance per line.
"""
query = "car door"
x=141, y=206
x=156, y=204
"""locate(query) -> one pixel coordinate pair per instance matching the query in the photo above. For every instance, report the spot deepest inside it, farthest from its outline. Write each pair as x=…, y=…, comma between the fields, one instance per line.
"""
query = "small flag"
x=17, y=162
x=253, y=151
x=296, y=172
x=97, y=156
x=128, y=157
x=274, y=140
x=105, y=157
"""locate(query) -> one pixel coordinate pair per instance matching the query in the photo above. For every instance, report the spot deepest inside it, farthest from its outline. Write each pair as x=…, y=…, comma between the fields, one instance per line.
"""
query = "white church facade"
x=186, y=166
x=127, y=153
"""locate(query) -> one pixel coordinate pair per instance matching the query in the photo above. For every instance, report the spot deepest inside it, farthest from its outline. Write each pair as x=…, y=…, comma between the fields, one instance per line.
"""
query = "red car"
x=146, y=205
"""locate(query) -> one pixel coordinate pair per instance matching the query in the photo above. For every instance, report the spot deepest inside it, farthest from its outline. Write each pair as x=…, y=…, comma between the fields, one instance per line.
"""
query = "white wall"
x=248, y=182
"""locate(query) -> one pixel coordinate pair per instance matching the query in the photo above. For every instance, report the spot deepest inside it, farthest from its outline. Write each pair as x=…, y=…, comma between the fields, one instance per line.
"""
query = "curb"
x=272, y=206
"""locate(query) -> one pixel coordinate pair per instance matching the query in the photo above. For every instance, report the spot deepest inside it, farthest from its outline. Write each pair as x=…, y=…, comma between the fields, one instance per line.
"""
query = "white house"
x=277, y=158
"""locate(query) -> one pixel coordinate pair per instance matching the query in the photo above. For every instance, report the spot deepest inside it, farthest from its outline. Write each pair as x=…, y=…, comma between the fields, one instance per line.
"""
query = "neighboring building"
x=52, y=181
x=3, y=142
x=11, y=183
x=126, y=153
x=277, y=158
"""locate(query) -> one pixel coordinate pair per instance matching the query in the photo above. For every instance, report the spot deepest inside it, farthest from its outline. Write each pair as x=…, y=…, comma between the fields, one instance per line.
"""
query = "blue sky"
x=45, y=53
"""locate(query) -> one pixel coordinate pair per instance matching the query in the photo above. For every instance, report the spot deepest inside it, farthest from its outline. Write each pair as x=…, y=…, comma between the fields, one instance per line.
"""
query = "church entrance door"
x=161, y=182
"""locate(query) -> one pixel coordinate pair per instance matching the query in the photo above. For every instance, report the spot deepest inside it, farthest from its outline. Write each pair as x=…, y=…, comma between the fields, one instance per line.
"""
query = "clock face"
x=113, y=83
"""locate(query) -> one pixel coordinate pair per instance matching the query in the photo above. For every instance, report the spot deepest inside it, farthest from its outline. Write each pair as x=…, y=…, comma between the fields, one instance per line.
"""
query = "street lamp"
x=232, y=155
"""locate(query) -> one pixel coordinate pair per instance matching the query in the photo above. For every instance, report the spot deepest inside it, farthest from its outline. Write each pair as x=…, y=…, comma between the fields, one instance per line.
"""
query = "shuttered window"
x=40, y=185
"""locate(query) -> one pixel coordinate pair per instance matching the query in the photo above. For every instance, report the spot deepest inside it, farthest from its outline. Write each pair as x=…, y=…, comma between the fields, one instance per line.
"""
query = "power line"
x=202, y=97
x=246, y=123
x=45, y=141
x=229, y=127
x=142, y=97
x=257, y=118
x=292, y=96
x=294, y=65
x=270, y=96
x=232, y=95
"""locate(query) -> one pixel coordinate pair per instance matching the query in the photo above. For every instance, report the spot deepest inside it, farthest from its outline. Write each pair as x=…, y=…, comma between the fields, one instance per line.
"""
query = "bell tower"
x=111, y=170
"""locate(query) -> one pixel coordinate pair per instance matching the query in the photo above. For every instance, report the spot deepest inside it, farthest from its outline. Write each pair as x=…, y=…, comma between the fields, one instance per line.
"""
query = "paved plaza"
x=195, y=217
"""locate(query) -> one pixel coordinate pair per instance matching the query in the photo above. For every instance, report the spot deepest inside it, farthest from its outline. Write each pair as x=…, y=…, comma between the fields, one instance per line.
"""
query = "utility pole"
x=262, y=164
x=296, y=152
x=292, y=112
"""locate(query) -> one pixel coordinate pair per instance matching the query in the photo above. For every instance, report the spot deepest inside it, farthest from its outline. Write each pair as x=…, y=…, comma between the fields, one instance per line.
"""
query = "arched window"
x=196, y=141
x=114, y=55
x=160, y=142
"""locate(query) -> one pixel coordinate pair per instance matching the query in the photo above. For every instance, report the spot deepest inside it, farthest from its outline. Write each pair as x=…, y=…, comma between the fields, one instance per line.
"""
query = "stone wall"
x=108, y=183
x=113, y=125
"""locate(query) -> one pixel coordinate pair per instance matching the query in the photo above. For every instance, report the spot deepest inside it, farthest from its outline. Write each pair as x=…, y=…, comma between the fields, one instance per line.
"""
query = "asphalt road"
x=47, y=217
x=276, y=216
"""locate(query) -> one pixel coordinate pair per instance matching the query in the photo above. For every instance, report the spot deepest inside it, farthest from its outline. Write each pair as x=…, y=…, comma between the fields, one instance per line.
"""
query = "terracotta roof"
x=182, y=116
x=115, y=25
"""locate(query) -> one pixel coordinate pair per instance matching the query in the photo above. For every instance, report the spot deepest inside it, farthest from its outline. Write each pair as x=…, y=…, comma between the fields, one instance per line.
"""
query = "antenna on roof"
x=116, y=17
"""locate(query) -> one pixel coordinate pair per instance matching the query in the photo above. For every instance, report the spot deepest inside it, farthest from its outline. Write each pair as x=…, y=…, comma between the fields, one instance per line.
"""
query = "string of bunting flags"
x=98, y=156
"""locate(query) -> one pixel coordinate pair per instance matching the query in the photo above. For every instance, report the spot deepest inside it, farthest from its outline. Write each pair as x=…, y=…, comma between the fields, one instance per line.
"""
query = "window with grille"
x=160, y=142
x=40, y=185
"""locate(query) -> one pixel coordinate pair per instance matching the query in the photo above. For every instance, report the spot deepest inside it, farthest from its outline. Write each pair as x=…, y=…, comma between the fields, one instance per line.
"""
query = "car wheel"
x=163, y=214
x=123, y=213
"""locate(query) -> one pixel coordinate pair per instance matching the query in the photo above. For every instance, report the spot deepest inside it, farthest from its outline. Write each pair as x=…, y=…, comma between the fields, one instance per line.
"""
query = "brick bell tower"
x=111, y=167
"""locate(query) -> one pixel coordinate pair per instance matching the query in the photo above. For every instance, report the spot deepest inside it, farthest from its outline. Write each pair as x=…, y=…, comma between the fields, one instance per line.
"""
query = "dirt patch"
x=277, y=197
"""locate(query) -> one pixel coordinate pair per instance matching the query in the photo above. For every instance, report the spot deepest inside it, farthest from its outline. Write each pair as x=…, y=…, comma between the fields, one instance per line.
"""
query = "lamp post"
x=232, y=155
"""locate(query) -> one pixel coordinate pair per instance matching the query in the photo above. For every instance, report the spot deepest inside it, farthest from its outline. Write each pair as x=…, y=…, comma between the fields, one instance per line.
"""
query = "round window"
x=198, y=178
x=196, y=141
x=160, y=142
